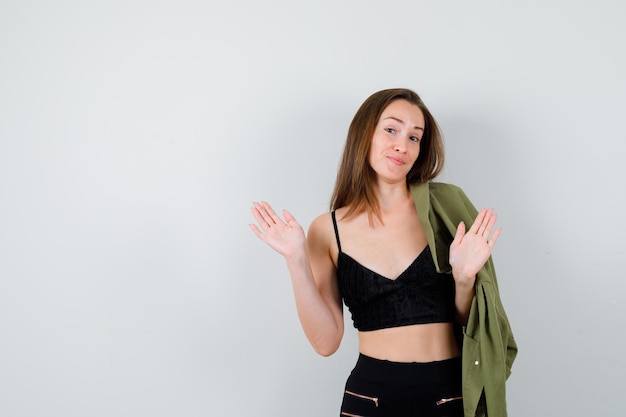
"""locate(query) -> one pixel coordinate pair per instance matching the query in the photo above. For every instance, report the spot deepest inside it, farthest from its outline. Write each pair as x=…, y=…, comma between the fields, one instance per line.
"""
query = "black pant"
x=380, y=388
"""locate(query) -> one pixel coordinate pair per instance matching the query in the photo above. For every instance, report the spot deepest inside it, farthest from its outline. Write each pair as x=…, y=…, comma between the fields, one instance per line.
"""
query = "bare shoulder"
x=321, y=237
x=321, y=228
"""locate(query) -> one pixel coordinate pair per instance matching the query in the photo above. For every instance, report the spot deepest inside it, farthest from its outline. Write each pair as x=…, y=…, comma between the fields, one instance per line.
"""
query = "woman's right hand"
x=285, y=237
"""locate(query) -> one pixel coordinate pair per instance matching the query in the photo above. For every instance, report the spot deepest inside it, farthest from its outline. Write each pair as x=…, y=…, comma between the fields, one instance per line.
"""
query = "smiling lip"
x=396, y=160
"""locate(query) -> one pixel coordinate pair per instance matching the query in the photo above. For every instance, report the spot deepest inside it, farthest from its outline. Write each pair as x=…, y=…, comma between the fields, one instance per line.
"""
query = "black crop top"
x=419, y=295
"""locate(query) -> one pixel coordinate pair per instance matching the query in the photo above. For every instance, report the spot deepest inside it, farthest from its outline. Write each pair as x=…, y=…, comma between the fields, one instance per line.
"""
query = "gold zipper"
x=447, y=400
x=365, y=397
x=343, y=413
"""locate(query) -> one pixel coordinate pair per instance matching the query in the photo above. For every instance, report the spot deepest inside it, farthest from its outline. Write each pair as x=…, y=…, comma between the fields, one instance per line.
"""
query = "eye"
x=390, y=130
x=414, y=139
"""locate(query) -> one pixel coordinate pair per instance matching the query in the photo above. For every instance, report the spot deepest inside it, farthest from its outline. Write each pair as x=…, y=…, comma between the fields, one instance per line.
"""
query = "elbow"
x=326, y=351
x=326, y=347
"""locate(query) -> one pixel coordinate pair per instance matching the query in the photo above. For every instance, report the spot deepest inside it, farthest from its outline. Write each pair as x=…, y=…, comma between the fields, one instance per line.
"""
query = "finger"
x=257, y=212
x=270, y=211
x=289, y=218
x=267, y=214
x=484, y=223
x=256, y=231
x=491, y=222
x=478, y=221
x=460, y=232
x=494, y=238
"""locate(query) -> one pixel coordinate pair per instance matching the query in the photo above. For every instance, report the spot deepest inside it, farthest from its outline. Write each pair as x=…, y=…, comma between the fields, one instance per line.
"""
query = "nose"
x=400, y=146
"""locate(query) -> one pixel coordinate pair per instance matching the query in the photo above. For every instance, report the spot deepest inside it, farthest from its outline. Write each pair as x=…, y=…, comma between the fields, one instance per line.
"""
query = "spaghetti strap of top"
x=336, y=230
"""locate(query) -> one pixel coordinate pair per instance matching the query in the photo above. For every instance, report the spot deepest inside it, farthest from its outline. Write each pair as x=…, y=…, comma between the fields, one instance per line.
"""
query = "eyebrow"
x=402, y=121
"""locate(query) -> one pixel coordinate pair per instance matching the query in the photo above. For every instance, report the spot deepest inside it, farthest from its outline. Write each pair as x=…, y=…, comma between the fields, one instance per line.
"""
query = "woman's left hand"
x=469, y=251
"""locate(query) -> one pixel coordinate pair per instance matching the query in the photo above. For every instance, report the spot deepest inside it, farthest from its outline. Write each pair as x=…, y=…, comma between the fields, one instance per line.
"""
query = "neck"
x=390, y=196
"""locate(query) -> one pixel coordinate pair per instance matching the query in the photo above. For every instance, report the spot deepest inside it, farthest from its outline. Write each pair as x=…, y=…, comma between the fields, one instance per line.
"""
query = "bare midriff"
x=414, y=343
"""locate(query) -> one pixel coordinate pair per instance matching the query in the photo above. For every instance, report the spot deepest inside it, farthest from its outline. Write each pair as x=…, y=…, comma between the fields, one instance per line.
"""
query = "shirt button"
x=476, y=363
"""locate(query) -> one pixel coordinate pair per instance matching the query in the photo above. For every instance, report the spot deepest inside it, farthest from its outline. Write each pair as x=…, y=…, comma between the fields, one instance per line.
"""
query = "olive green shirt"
x=488, y=346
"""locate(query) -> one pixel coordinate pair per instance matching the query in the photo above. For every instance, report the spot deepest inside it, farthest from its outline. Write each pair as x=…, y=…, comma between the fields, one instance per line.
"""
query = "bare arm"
x=468, y=253
x=312, y=274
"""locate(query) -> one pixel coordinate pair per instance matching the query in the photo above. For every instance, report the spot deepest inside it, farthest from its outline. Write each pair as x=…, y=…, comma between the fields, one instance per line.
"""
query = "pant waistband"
x=384, y=371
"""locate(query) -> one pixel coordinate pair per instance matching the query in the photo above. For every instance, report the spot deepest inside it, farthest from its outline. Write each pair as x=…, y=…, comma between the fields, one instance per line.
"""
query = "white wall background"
x=134, y=136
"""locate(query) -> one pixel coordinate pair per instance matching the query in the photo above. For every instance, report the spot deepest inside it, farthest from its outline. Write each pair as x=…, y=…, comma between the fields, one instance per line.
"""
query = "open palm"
x=285, y=237
x=469, y=251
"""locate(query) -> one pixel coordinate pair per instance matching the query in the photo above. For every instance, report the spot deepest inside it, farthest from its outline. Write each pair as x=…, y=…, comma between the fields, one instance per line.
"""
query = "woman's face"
x=396, y=141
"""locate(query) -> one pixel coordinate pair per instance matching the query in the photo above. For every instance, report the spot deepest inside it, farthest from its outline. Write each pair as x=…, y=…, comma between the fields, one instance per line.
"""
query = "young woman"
x=420, y=285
